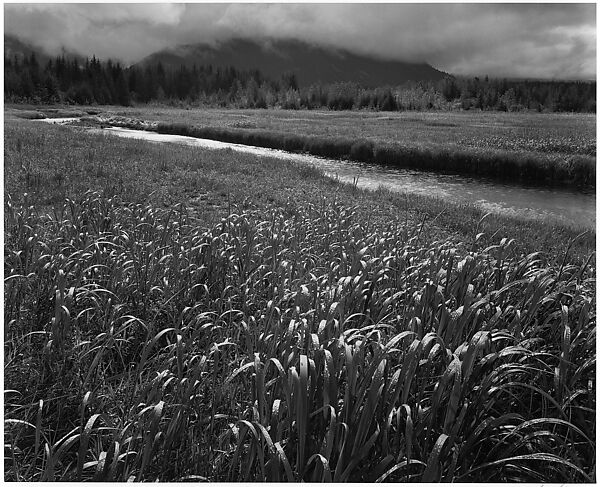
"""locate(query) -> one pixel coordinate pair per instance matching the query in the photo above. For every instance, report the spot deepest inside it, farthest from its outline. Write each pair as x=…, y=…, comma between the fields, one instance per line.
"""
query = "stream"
x=564, y=205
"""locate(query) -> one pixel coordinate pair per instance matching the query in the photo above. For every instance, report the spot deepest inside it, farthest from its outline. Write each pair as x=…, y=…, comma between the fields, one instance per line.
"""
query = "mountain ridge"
x=309, y=63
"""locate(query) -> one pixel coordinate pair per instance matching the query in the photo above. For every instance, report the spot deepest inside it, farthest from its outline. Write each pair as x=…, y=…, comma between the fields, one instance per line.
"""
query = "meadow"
x=175, y=314
x=565, y=133
x=538, y=148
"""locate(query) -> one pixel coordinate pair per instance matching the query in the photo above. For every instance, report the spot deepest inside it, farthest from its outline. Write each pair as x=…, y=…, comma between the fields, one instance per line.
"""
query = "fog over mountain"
x=310, y=64
x=507, y=40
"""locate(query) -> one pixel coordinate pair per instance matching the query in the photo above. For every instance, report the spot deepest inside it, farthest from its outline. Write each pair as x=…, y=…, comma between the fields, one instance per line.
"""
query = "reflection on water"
x=565, y=205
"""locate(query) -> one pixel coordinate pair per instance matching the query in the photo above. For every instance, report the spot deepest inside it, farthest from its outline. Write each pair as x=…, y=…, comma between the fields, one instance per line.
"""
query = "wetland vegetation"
x=178, y=314
x=543, y=149
x=178, y=309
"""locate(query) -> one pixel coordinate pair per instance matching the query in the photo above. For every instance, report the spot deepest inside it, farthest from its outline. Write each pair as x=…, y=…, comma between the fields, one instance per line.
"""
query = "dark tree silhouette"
x=94, y=81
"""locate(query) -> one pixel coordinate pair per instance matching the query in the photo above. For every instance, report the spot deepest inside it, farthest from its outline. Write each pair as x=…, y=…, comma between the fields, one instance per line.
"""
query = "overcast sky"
x=522, y=40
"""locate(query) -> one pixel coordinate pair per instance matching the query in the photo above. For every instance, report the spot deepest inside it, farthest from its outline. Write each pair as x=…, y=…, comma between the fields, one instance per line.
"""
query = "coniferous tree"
x=104, y=82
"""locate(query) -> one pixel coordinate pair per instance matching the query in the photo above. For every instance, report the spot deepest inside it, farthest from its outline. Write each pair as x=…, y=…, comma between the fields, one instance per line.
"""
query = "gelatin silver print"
x=300, y=242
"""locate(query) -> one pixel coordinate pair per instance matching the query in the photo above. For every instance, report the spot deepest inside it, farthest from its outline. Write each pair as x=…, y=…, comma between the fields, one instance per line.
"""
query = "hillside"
x=14, y=47
x=310, y=64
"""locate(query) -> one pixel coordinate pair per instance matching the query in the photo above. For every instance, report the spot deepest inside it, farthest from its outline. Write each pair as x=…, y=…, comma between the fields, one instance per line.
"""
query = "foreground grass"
x=208, y=315
x=299, y=345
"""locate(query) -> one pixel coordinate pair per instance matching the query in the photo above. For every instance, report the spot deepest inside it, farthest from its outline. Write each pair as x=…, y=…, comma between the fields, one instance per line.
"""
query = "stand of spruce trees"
x=64, y=80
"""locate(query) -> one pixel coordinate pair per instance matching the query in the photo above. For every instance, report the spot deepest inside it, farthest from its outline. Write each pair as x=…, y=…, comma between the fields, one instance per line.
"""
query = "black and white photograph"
x=300, y=242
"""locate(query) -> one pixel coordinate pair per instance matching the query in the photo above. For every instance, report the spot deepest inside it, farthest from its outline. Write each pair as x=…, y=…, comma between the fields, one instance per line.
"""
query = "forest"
x=72, y=81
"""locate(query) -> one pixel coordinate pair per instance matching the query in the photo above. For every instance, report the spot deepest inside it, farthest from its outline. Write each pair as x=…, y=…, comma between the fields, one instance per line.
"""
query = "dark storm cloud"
x=533, y=40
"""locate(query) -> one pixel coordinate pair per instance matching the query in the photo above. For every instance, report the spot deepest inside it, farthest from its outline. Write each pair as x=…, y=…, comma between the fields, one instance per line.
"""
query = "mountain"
x=309, y=63
x=14, y=47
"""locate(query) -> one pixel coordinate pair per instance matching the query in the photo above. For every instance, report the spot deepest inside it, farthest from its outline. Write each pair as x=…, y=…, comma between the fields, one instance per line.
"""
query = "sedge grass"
x=288, y=344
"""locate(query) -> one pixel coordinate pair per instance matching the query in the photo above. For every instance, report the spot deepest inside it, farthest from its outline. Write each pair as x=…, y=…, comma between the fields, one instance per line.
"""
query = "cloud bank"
x=506, y=40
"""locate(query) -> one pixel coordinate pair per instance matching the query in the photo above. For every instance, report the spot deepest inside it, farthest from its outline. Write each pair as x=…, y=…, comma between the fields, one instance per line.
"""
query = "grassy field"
x=545, y=149
x=564, y=133
x=52, y=163
x=176, y=314
x=530, y=132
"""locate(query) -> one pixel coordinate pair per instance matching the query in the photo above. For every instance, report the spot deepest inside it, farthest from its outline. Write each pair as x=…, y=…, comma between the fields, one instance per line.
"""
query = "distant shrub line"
x=576, y=170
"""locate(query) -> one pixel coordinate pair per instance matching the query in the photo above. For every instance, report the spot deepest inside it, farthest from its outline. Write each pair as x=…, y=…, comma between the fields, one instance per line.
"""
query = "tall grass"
x=496, y=164
x=300, y=344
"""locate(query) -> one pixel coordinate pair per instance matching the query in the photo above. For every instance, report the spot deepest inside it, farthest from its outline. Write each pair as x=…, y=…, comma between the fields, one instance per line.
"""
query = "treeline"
x=96, y=82
x=511, y=95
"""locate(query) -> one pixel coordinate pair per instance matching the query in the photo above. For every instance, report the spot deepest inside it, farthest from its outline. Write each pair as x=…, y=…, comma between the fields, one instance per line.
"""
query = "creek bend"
x=566, y=206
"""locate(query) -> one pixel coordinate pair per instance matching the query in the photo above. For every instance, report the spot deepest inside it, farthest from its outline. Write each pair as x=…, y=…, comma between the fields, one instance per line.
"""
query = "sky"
x=550, y=41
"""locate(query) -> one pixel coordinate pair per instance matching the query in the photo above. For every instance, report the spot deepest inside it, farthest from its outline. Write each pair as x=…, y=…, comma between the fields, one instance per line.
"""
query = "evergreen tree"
x=104, y=82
